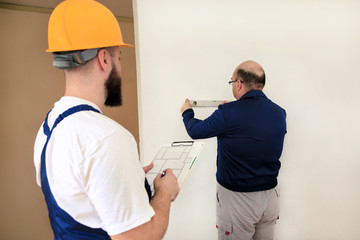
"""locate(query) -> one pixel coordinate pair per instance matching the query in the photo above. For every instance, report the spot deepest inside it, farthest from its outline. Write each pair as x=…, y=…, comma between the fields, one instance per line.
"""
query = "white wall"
x=311, y=55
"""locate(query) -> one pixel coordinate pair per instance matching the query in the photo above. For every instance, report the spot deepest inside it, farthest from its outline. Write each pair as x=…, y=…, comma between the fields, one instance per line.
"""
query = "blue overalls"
x=64, y=226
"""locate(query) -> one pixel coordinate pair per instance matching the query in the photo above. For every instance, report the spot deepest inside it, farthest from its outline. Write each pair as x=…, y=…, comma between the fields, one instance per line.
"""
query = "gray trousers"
x=246, y=215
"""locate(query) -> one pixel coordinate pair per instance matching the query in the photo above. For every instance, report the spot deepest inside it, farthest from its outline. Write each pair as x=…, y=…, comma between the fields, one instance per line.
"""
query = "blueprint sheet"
x=179, y=157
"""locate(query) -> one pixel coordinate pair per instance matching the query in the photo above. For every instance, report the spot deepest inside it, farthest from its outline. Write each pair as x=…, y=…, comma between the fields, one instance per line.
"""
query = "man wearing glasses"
x=250, y=133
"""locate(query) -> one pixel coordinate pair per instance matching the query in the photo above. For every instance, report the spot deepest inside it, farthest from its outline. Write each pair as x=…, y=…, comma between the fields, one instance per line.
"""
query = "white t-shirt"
x=93, y=169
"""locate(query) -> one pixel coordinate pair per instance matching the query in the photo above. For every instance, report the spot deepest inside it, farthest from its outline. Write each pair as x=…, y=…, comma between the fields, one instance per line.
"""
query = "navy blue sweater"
x=250, y=134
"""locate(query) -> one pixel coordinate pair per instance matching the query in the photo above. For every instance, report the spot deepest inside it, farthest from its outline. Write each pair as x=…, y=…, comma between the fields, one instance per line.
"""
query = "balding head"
x=251, y=74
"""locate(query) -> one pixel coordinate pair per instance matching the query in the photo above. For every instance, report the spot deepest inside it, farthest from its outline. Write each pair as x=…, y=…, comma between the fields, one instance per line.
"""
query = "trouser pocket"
x=277, y=191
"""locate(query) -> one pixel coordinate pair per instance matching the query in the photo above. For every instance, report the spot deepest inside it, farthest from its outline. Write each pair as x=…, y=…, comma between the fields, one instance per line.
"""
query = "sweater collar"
x=253, y=94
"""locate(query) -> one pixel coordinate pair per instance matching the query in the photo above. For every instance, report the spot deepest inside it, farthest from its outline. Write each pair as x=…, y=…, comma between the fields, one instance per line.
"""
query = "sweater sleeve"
x=207, y=128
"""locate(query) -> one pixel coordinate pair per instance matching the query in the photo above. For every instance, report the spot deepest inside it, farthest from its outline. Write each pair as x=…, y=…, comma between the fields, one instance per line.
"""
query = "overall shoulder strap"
x=64, y=226
x=70, y=111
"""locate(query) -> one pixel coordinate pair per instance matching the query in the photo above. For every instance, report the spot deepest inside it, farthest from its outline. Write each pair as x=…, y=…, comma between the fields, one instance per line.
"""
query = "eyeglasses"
x=232, y=81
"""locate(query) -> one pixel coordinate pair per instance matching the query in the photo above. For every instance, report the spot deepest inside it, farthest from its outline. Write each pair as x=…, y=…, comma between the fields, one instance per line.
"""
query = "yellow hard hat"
x=83, y=24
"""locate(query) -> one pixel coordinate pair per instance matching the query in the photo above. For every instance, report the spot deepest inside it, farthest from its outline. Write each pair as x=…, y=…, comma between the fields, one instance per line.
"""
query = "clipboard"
x=179, y=156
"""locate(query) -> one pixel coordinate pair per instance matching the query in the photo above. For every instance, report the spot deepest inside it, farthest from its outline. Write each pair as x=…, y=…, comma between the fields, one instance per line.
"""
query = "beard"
x=113, y=89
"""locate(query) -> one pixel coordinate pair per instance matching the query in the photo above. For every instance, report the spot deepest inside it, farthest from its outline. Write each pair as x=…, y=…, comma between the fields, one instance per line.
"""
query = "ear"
x=104, y=60
x=239, y=85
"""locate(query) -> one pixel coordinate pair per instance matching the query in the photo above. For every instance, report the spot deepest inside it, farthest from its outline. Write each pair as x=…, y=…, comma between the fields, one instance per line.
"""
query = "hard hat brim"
x=126, y=45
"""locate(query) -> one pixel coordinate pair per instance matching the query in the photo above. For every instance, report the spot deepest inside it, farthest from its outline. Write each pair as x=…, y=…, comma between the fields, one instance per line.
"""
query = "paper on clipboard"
x=180, y=157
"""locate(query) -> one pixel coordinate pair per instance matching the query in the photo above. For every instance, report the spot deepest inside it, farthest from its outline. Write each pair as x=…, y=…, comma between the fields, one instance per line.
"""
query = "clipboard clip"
x=182, y=143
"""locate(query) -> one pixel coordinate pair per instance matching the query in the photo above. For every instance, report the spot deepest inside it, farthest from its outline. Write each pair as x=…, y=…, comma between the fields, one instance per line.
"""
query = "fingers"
x=168, y=172
x=166, y=183
x=148, y=167
x=185, y=106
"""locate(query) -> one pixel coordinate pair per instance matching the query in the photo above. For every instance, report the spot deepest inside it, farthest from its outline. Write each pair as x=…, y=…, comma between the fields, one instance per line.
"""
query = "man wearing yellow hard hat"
x=87, y=164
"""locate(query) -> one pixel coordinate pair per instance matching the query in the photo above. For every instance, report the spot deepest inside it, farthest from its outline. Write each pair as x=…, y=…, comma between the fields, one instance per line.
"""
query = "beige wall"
x=29, y=86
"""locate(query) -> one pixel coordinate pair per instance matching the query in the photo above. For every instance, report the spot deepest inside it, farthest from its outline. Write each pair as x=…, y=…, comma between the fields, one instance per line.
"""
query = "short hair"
x=250, y=79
